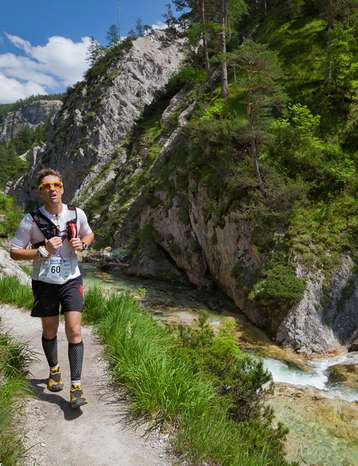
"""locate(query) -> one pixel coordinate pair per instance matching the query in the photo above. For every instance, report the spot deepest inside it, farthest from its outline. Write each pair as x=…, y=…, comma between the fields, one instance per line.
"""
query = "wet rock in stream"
x=323, y=428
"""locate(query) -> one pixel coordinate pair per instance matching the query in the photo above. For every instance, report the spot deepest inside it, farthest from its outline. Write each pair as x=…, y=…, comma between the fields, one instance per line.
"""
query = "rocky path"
x=97, y=434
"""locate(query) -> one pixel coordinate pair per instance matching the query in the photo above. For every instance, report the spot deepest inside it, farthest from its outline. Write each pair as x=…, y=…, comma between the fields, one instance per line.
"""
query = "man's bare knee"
x=50, y=327
x=73, y=326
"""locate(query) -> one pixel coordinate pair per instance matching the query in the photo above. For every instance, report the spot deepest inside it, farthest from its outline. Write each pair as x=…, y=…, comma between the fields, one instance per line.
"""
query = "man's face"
x=50, y=194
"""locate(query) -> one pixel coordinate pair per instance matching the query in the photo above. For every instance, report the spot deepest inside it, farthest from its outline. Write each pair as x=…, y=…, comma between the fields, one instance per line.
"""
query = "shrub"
x=279, y=287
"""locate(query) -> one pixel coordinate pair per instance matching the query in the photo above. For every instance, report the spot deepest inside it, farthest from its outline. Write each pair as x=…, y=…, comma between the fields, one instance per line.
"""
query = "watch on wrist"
x=84, y=246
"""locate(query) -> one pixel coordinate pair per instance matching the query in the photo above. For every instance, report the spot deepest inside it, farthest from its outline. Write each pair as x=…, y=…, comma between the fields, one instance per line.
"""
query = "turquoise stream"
x=308, y=400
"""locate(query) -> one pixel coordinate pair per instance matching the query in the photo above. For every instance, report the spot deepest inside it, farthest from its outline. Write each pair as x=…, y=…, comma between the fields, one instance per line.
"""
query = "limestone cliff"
x=29, y=115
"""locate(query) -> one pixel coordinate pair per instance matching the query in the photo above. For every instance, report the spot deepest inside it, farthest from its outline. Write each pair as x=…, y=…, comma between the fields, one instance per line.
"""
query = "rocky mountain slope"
x=29, y=115
x=98, y=114
x=119, y=149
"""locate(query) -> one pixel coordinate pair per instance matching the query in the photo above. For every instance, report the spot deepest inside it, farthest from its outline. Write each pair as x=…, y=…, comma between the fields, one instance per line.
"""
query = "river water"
x=317, y=398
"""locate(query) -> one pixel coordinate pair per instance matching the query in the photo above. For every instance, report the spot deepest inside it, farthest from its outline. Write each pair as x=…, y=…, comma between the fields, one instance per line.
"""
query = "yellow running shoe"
x=55, y=382
x=77, y=397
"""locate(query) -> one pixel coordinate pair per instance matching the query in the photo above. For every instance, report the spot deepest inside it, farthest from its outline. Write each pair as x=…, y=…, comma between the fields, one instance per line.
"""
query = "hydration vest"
x=49, y=229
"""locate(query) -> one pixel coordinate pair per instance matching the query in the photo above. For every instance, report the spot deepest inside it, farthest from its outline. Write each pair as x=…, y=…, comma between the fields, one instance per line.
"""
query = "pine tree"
x=236, y=8
x=95, y=51
x=260, y=72
x=195, y=12
x=139, y=28
x=112, y=36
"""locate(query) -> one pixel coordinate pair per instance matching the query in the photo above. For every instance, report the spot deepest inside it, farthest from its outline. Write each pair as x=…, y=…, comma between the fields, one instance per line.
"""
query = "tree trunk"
x=330, y=27
x=205, y=45
x=223, y=19
x=255, y=156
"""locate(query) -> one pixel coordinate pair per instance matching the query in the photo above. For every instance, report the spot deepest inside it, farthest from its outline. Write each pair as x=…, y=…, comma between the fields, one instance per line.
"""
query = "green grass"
x=321, y=233
x=14, y=361
x=11, y=291
x=94, y=305
x=171, y=390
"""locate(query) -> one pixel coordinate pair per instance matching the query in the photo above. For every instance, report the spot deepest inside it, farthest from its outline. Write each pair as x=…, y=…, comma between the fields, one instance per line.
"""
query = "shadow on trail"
x=35, y=385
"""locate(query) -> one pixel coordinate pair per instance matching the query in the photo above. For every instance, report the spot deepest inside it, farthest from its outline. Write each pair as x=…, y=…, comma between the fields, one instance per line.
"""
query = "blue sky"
x=43, y=44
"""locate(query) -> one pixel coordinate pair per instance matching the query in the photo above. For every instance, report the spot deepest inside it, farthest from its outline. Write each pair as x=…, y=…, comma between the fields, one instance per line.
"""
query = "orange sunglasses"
x=47, y=185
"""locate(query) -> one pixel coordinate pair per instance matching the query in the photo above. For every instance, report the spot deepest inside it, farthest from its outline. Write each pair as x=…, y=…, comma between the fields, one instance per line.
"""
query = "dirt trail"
x=97, y=434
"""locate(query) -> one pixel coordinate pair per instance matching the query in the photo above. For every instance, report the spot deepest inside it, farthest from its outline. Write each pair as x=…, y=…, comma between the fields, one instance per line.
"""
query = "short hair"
x=47, y=172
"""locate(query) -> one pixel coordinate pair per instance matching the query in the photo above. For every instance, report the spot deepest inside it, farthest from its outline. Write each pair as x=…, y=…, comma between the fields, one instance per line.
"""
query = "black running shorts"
x=48, y=297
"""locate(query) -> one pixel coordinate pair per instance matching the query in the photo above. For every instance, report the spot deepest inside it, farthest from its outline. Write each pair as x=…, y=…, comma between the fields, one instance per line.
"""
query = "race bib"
x=55, y=270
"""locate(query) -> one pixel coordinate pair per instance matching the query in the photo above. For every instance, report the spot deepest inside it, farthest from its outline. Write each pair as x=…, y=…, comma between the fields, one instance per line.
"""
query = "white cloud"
x=12, y=90
x=41, y=69
x=159, y=25
x=18, y=67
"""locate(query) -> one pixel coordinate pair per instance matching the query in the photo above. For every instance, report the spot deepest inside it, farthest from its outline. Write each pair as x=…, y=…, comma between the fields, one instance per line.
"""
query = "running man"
x=56, y=232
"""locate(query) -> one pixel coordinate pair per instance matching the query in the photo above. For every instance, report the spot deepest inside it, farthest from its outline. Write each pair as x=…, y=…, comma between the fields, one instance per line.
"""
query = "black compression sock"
x=50, y=349
x=75, y=356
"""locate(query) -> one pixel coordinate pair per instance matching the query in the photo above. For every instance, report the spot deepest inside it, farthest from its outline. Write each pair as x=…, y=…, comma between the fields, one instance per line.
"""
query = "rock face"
x=305, y=327
x=30, y=115
x=10, y=267
x=313, y=326
x=209, y=254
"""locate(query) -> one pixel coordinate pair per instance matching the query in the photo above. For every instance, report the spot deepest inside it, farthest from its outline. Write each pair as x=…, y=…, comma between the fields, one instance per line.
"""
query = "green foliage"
x=103, y=62
x=11, y=215
x=301, y=50
x=112, y=36
x=321, y=232
x=241, y=382
x=294, y=137
x=95, y=51
x=342, y=48
x=298, y=153
x=175, y=249
x=188, y=74
x=279, y=288
x=259, y=77
x=14, y=362
x=12, y=165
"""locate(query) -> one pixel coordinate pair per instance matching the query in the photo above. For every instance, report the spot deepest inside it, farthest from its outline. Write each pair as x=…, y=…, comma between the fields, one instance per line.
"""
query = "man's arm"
x=23, y=254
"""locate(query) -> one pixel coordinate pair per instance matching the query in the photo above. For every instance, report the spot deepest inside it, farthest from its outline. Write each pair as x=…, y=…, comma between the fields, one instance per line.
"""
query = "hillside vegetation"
x=278, y=147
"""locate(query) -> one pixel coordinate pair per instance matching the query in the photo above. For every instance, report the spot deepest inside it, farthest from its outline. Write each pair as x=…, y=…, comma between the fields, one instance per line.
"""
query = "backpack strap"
x=48, y=229
x=71, y=225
